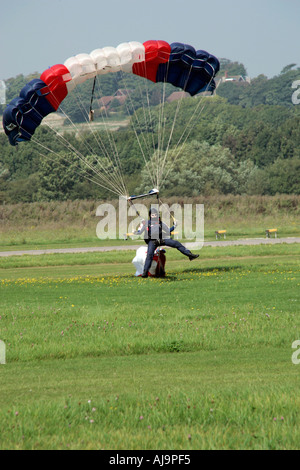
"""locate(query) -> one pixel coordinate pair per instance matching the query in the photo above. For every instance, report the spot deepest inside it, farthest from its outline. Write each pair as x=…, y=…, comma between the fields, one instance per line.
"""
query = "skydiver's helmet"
x=153, y=213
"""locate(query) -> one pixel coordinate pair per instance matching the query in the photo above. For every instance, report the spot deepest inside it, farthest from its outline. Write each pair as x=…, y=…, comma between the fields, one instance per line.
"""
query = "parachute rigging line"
x=137, y=127
x=107, y=177
x=187, y=130
x=116, y=177
x=114, y=160
x=111, y=183
x=103, y=180
x=112, y=143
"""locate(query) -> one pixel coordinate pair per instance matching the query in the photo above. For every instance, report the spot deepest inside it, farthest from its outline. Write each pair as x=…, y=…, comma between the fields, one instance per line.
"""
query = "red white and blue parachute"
x=179, y=64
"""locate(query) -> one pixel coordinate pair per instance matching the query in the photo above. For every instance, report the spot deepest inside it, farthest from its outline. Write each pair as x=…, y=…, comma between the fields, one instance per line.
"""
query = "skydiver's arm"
x=141, y=228
x=166, y=229
x=173, y=226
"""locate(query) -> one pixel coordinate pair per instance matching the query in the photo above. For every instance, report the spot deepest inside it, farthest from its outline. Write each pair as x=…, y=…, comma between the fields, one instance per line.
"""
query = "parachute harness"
x=150, y=193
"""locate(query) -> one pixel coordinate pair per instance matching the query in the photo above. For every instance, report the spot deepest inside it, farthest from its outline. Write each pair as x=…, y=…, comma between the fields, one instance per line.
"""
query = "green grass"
x=109, y=259
x=99, y=359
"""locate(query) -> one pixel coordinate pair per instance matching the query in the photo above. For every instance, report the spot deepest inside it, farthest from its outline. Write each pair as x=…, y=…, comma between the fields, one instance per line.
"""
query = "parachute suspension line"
x=162, y=131
x=168, y=210
x=159, y=143
x=97, y=138
x=134, y=116
x=195, y=113
x=148, y=119
x=161, y=134
x=112, y=144
x=82, y=172
x=106, y=176
x=67, y=145
x=170, y=138
x=187, y=130
x=173, y=124
x=81, y=157
x=102, y=178
x=116, y=175
x=150, y=130
x=151, y=120
x=155, y=158
x=162, y=126
x=154, y=162
x=137, y=126
x=100, y=144
x=111, y=179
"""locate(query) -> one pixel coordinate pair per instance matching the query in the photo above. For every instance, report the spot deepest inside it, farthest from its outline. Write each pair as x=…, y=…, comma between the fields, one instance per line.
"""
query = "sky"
x=264, y=35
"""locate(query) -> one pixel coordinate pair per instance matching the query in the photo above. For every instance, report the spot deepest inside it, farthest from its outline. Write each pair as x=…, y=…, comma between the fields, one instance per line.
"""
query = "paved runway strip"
x=248, y=241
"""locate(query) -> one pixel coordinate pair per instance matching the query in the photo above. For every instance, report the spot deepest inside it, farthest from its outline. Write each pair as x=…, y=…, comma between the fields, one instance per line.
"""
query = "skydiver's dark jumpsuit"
x=158, y=234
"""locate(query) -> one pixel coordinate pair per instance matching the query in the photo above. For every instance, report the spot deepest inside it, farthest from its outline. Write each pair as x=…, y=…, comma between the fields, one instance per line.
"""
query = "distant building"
x=233, y=78
x=120, y=95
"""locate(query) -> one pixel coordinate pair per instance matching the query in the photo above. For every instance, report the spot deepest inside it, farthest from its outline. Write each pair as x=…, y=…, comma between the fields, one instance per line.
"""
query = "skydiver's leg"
x=150, y=254
x=176, y=244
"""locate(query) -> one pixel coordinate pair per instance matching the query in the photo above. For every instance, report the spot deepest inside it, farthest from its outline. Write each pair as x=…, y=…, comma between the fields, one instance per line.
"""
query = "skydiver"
x=155, y=231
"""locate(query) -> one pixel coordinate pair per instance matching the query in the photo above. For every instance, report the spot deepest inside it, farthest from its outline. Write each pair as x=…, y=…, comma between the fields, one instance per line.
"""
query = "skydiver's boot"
x=145, y=274
x=192, y=256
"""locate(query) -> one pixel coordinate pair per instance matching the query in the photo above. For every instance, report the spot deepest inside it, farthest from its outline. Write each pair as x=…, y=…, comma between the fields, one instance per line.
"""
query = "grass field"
x=99, y=359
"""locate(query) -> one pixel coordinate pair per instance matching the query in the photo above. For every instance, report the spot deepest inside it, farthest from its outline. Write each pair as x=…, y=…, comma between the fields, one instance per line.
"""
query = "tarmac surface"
x=248, y=241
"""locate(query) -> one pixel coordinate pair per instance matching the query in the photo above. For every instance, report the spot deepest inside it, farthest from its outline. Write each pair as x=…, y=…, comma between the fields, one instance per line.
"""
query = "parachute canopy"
x=157, y=268
x=177, y=63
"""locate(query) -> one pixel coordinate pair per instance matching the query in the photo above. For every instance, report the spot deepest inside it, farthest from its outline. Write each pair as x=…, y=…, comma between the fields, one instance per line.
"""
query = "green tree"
x=57, y=177
x=199, y=168
x=284, y=176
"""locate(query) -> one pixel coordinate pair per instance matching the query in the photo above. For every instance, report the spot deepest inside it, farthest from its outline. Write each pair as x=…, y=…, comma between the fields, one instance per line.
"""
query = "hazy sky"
x=264, y=35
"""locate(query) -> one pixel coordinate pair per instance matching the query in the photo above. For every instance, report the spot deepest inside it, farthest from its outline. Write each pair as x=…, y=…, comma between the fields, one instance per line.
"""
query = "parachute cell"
x=56, y=78
x=156, y=53
x=158, y=61
x=191, y=70
x=25, y=113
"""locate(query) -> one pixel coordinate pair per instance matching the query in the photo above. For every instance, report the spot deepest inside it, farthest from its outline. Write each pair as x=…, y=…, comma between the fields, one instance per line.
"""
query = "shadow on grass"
x=212, y=269
x=177, y=276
